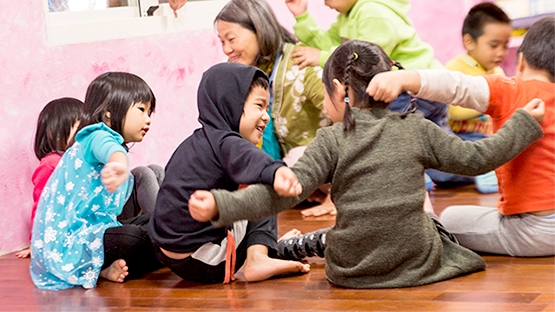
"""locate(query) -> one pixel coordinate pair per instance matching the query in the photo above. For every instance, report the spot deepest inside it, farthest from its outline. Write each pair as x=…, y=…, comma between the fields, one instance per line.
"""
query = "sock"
x=429, y=182
x=487, y=183
x=307, y=245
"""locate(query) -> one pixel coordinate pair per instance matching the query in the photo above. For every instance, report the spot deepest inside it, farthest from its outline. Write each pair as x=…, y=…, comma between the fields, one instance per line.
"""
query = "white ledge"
x=125, y=22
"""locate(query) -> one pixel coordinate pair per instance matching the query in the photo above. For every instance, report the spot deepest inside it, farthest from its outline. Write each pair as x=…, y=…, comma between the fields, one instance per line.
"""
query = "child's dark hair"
x=258, y=17
x=259, y=80
x=480, y=15
x=115, y=92
x=538, y=46
x=355, y=63
x=54, y=125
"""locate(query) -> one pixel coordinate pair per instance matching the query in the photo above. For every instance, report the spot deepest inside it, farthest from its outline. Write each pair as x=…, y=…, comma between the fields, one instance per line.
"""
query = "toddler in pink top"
x=56, y=127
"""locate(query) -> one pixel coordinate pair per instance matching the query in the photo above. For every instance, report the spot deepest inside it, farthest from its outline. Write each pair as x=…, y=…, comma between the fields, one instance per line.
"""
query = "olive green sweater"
x=382, y=237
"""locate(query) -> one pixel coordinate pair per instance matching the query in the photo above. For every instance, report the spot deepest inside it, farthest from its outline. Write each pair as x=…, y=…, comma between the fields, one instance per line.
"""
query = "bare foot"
x=23, y=253
x=258, y=266
x=292, y=233
x=116, y=272
x=327, y=207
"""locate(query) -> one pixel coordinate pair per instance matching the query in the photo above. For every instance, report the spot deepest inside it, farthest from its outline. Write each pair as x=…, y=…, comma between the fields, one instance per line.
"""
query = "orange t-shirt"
x=526, y=183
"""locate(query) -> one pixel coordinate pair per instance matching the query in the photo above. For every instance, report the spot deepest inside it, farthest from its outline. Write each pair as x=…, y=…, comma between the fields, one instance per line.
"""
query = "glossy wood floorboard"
x=508, y=284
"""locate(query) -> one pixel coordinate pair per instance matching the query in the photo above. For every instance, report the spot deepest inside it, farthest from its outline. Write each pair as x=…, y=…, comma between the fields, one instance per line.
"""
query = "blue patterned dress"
x=74, y=211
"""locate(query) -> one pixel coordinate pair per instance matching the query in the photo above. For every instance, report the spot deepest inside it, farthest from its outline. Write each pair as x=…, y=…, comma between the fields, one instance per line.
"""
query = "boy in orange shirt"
x=524, y=222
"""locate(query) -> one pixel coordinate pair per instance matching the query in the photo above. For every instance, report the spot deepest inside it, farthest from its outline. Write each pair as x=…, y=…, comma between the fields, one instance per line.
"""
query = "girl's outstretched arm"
x=115, y=172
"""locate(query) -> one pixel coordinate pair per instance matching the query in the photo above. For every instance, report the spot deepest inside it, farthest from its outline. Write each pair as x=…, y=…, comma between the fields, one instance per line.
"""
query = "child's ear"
x=337, y=85
x=521, y=63
x=107, y=118
x=468, y=42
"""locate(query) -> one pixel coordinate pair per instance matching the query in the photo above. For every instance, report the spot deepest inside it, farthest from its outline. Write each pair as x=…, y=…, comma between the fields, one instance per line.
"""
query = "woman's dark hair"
x=538, y=46
x=355, y=63
x=258, y=17
x=54, y=125
x=115, y=92
x=480, y=15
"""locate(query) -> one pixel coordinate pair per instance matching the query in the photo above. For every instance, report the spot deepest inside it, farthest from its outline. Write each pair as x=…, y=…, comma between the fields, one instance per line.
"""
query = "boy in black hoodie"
x=233, y=101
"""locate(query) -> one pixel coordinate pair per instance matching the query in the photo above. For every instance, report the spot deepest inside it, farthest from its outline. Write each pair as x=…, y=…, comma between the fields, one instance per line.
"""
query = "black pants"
x=131, y=242
x=260, y=232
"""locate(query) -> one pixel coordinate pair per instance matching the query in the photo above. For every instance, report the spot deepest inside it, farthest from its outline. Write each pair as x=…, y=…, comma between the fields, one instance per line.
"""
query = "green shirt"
x=383, y=22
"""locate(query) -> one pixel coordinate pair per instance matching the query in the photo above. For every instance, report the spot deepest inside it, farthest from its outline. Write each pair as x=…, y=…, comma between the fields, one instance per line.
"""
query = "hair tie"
x=355, y=56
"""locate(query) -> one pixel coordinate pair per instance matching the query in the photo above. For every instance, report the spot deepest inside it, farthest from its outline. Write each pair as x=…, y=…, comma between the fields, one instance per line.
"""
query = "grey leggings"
x=484, y=229
x=145, y=189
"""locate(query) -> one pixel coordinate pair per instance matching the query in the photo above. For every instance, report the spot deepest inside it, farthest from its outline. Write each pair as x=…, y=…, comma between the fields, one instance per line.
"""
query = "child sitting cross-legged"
x=523, y=223
x=233, y=101
x=374, y=160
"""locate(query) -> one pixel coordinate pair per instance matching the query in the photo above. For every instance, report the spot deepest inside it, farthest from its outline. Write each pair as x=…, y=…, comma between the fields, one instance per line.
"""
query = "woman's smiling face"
x=238, y=43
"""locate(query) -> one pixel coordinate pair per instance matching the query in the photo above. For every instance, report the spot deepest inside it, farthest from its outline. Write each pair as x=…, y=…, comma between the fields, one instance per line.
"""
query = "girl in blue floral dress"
x=88, y=189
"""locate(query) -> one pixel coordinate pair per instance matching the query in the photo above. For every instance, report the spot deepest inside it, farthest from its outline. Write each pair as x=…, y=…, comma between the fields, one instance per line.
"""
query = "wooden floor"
x=508, y=284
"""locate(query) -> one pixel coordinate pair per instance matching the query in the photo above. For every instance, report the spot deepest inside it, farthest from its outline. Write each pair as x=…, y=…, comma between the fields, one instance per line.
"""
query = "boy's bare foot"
x=23, y=253
x=291, y=233
x=258, y=266
x=116, y=272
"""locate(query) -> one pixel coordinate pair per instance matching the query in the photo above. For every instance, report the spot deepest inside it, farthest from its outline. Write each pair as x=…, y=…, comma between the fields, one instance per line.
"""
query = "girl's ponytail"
x=348, y=120
x=413, y=106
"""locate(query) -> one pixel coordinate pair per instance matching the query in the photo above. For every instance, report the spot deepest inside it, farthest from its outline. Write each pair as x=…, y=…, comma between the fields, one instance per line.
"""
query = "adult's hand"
x=176, y=5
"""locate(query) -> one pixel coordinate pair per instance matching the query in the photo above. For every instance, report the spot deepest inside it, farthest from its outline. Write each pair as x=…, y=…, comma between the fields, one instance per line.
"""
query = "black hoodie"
x=215, y=156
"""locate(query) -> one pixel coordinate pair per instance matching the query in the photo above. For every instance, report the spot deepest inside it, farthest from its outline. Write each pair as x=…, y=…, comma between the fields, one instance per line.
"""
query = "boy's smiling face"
x=255, y=114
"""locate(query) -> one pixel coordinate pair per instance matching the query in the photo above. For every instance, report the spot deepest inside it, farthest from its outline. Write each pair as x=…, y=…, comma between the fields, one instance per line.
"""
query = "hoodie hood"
x=222, y=93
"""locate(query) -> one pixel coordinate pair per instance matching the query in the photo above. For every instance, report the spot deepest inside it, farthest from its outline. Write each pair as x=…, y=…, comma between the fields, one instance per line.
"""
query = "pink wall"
x=32, y=73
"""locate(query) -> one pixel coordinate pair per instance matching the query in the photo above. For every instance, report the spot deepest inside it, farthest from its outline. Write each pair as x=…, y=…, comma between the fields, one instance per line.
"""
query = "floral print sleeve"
x=73, y=213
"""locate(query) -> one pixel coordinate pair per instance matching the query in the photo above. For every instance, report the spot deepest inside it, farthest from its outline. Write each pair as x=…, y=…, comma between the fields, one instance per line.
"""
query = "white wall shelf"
x=126, y=22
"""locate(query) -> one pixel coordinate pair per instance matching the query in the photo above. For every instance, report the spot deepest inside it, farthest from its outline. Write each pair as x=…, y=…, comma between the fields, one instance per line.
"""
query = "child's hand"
x=536, y=108
x=306, y=56
x=297, y=7
x=24, y=253
x=113, y=175
x=387, y=86
x=286, y=183
x=203, y=206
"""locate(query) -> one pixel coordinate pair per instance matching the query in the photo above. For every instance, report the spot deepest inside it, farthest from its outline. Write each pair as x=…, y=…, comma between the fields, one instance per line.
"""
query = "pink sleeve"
x=41, y=176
